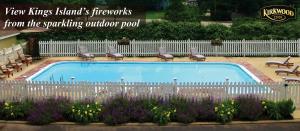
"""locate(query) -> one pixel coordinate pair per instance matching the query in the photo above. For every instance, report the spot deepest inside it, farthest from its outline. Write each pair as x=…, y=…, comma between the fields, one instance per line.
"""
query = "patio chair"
x=293, y=70
x=164, y=55
x=292, y=79
x=2, y=76
x=112, y=52
x=14, y=64
x=196, y=56
x=83, y=53
x=281, y=63
x=6, y=70
x=26, y=59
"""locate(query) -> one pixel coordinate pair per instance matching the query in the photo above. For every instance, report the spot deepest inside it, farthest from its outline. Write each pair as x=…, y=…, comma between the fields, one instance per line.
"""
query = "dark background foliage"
x=241, y=29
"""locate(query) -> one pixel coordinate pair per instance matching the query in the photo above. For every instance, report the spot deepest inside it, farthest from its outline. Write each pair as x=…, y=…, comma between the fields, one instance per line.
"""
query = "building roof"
x=6, y=33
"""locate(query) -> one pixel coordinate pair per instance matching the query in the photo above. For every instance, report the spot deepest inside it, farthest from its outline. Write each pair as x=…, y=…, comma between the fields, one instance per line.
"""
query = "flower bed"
x=119, y=110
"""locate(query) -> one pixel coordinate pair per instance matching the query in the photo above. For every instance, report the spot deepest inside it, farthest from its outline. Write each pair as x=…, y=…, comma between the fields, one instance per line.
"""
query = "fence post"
x=77, y=45
x=243, y=47
x=226, y=87
x=174, y=86
x=24, y=90
x=188, y=47
x=122, y=87
x=298, y=43
x=285, y=85
x=105, y=47
x=271, y=47
x=51, y=48
x=216, y=51
x=72, y=79
x=134, y=52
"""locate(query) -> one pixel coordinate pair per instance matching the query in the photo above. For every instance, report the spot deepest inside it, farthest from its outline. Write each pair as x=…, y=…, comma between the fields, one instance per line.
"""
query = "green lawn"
x=155, y=14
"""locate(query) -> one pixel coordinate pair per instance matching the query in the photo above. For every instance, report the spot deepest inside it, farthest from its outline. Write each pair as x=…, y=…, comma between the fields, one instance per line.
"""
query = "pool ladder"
x=52, y=78
x=61, y=79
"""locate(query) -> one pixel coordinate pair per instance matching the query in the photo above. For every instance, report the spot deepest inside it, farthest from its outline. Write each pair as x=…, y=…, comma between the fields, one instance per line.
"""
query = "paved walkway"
x=235, y=127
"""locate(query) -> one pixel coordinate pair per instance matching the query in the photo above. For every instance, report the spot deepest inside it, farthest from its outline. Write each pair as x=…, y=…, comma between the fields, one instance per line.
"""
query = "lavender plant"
x=205, y=109
x=116, y=111
x=48, y=110
x=249, y=107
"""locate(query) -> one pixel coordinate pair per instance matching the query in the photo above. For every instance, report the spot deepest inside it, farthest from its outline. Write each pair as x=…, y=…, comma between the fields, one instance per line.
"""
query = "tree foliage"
x=177, y=12
x=145, y=4
x=241, y=29
x=50, y=2
x=223, y=9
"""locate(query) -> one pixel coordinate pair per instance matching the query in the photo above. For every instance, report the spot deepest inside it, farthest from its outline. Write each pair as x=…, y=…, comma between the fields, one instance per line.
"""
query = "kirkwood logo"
x=278, y=13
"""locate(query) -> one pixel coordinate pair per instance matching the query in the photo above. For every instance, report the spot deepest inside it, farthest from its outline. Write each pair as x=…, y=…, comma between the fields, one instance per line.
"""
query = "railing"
x=176, y=47
x=101, y=91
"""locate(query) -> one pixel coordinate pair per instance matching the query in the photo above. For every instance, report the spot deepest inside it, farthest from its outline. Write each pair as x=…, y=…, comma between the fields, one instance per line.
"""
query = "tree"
x=146, y=4
x=248, y=8
x=219, y=9
x=177, y=12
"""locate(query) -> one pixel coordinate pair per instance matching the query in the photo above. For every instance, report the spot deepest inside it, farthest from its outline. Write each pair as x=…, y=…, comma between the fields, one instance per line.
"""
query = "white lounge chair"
x=83, y=53
x=196, y=56
x=164, y=55
x=112, y=52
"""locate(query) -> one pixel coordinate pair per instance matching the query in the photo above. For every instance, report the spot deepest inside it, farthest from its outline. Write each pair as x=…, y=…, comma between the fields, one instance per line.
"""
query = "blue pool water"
x=144, y=72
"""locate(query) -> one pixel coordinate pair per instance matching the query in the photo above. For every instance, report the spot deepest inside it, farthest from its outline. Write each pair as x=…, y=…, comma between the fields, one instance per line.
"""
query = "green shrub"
x=162, y=114
x=226, y=111
x=279, y=110
x=1, y=109
x=286, y=108
x=16, y=110
x=272, y=110
x=84, y=112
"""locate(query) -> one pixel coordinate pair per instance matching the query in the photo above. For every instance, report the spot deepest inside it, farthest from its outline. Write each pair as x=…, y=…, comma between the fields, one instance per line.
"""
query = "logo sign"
x=278, y=13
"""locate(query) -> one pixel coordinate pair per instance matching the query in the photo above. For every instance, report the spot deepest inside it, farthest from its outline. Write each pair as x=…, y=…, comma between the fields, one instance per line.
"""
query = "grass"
x=155, y=14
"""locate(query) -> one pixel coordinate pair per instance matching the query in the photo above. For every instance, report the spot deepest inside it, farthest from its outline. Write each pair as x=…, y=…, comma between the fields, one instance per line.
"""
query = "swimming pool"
x=144, y=72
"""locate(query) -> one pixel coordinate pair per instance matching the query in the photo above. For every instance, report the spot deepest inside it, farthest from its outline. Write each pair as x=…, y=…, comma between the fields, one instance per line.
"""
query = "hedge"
x=180, y=31
x=120, y=109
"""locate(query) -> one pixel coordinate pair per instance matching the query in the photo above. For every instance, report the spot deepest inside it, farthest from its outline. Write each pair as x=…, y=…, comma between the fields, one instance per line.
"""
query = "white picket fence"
x=101, y=91
x=176, y=47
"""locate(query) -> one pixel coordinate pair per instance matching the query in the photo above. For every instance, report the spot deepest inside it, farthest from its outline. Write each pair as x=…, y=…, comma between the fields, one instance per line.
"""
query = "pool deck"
x=254, y=64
